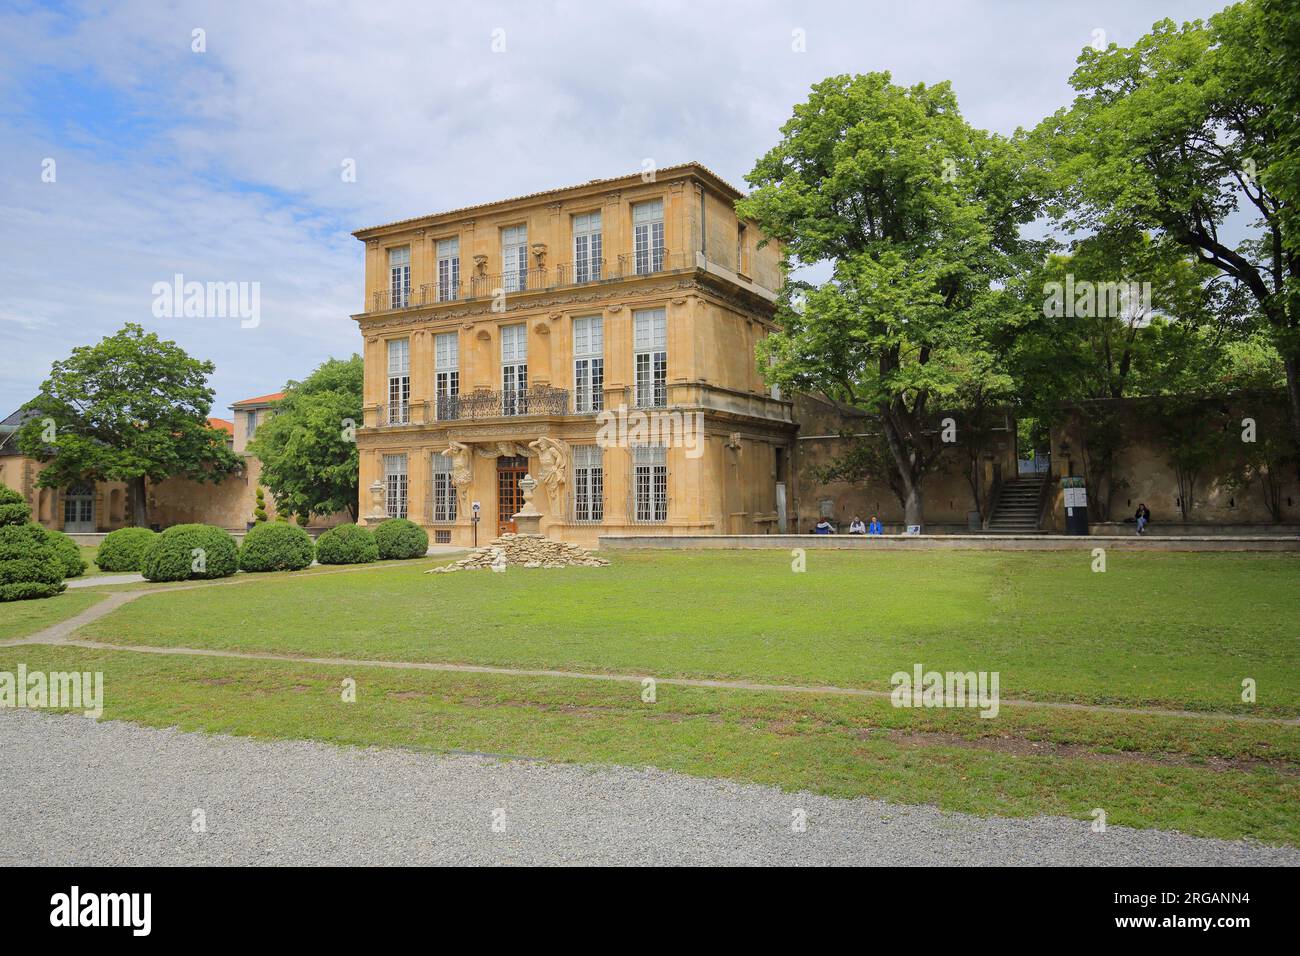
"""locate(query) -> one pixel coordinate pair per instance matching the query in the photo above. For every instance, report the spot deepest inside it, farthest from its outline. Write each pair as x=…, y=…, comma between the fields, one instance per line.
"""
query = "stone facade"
x=672, y=307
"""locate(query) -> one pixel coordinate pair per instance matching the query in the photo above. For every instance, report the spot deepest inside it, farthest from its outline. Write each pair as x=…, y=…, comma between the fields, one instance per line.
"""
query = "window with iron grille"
x=514, y=370
x=399, y=381
x=514, y=258
x=588, y=364
x=399, y=276
x=443, y=491
x=648, y=236
x=395, y=483
x=442, y=537
x=586, y=247
x=650, y=483
x=446, y=374
x=448, y=251
x=650, y=357
x=588, y=484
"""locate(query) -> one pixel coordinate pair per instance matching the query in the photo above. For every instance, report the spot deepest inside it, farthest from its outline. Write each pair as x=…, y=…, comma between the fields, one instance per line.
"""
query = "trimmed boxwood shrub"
x=69, y=555
x=29, y=567
x=13, y=507
x=399, y=538
x=275, y=546
x=171, y=556
x=347, y=544
x=123, y=549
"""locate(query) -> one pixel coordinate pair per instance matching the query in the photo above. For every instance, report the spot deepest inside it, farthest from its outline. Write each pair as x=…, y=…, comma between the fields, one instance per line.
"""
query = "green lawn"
x=1158, y=630
x=88, y=552
x=1169, y=630
x=838, y=746
x=21, y=618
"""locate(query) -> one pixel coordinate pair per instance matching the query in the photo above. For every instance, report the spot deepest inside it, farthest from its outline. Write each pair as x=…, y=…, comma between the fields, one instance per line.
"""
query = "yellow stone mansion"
x=600, y=337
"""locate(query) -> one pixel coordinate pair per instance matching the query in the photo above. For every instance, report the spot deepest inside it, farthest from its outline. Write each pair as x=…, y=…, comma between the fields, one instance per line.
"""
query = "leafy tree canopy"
x=308, y=447
x=918, y=213
x=131, y=407
x=1179, y=132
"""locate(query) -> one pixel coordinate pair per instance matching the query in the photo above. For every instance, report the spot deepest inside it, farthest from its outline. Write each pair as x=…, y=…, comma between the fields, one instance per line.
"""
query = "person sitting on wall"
x=823, y=527
x=874, y=527
x=1143, y=517
x=856, y=526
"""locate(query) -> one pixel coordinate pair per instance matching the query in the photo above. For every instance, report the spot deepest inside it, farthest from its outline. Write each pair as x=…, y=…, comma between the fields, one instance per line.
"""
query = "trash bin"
x=1075, y=493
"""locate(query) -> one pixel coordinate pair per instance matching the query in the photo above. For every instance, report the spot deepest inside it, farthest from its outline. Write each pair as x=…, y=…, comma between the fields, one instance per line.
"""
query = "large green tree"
x=1181, y=131
x=918, y=215
x=130, y=408
x=1117, y=316
x=308, y=447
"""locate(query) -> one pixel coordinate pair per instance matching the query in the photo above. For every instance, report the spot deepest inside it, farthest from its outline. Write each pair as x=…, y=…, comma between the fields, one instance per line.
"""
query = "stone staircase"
x=1017, y=508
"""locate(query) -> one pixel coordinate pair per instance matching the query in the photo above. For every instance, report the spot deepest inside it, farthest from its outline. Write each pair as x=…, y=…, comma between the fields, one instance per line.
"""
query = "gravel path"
x=77, y=792
x=97, y=579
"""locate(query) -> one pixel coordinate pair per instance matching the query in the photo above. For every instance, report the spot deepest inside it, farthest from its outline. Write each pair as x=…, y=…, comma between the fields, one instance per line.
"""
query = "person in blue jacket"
x=874, y=527
x=824, y=527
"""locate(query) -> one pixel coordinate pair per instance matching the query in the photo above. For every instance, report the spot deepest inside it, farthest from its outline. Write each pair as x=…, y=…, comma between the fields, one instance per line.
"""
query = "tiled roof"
x=551, y=192
x=9, y=429
x=221, y=425
x=260, y=400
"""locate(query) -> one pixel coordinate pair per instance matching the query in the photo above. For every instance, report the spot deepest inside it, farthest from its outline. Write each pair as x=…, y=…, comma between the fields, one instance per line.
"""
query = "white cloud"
x=225, y=165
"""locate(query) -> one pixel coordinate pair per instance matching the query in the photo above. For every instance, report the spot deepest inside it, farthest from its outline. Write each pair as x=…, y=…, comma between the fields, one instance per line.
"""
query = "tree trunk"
x=1292, y=364
x=974, y=477
x=908, y=472
x=139, y=506
x=912, y=505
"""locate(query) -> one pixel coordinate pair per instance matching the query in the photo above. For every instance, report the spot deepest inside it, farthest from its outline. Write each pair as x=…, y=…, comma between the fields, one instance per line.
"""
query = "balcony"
x=472, y=406
x=475, y=406
x=563, y=275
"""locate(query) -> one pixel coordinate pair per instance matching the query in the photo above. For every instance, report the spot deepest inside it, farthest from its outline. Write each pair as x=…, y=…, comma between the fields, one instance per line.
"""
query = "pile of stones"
x=526, y=551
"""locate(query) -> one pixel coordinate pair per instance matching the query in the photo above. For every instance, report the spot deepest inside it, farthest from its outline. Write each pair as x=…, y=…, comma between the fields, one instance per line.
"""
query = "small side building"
x=102, y=506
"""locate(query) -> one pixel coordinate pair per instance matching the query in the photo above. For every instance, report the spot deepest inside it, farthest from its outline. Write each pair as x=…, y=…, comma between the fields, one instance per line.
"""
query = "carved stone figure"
x=462, y=466
x=501, y=449
x=553, y=459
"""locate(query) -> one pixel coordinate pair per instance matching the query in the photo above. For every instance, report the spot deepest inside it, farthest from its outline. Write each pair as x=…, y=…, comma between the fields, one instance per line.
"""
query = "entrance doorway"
x=510, y=496
x=79, y=509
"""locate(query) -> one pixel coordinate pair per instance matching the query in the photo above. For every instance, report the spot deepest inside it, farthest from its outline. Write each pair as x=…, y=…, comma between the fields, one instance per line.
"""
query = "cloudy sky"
x=226, y=164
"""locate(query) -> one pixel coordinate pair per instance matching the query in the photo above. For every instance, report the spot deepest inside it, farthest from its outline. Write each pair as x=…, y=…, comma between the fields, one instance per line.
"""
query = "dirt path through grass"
x=60, y=634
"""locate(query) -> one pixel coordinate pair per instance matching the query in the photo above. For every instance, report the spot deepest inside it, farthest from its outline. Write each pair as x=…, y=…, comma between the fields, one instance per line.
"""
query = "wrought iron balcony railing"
x=537, y=400
x=470, y=406
x=537, y=279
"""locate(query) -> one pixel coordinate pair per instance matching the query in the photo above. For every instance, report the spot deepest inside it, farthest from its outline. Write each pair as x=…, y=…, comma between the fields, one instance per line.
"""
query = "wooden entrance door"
x=510, y=497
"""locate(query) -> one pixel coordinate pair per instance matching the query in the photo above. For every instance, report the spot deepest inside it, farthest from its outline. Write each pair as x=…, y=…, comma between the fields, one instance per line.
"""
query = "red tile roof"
x=260, y=400
x=221, y=425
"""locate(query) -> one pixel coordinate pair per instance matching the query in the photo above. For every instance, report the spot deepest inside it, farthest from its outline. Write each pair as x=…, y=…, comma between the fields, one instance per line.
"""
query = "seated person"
x=823, y=527
x=874, y=527
x=1143, y=517
x=856, y=526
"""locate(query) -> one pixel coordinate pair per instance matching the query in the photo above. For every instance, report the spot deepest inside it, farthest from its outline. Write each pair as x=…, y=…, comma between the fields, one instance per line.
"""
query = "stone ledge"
x=954, y=542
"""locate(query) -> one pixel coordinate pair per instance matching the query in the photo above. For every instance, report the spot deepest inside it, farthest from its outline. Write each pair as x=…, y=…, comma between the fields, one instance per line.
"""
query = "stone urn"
x=378, y=503
x=528, y=519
